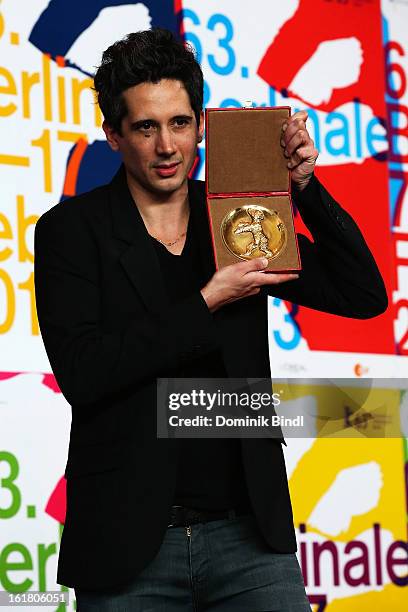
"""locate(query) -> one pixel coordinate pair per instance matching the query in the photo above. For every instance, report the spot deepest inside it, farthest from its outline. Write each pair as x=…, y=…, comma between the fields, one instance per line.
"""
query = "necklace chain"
x=173, y=242
x=170, y=243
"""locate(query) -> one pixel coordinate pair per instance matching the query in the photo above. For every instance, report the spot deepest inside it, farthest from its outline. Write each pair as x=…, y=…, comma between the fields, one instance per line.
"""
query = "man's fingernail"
x=284, y=126
x=265, y=261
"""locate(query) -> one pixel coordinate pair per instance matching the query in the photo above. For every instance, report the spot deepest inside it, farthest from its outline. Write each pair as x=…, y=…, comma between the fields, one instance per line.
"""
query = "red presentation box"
x=248, y=187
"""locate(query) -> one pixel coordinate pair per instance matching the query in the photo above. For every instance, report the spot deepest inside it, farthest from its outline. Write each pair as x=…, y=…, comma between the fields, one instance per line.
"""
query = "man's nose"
x=165, y=142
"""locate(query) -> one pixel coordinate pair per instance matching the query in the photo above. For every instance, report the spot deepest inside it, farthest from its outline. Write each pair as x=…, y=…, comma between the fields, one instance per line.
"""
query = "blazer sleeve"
x=90, y=364
x=339, y=274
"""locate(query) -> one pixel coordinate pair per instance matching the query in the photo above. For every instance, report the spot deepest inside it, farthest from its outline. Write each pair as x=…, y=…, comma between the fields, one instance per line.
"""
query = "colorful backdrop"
x=346, y=62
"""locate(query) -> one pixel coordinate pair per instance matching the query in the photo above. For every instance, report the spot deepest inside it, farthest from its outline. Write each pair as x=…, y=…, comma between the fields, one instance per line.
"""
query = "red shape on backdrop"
x=50, y=382
x=316, y=21
x=362, y=189
x=350, y=186
x=56, y=505
x=6, y=375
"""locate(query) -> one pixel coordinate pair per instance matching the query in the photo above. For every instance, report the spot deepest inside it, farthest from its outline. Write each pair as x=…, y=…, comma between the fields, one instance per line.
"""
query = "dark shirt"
x=210, y=471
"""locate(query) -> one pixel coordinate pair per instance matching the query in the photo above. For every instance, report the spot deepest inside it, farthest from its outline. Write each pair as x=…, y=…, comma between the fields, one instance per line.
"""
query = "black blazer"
x=109, y=331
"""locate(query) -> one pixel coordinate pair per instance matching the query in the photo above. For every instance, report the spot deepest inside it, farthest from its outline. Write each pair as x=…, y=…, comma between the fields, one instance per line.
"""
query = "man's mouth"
x=166, y=170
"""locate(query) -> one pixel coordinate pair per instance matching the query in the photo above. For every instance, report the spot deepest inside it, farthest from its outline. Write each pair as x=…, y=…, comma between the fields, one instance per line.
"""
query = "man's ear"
x=111, y=136
x=201, y=127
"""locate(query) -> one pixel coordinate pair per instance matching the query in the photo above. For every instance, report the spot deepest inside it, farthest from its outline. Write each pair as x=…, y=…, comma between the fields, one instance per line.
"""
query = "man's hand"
x=240, y=280
x=299, y=149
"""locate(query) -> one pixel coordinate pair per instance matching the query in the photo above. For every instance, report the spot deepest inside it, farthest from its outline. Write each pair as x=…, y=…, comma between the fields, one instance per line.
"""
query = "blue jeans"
x=223, y=565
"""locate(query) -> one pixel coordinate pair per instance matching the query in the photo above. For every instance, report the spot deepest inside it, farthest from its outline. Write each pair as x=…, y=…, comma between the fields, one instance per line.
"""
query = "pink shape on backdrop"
x=48, y=379
x=6, y=375
x=56, y=505
x=50, y=382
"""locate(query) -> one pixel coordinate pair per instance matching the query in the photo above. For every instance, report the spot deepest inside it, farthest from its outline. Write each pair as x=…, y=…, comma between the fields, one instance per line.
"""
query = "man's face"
x=159, y=136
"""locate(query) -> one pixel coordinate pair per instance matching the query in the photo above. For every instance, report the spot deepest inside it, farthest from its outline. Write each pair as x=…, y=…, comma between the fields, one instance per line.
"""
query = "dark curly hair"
x=140, y=57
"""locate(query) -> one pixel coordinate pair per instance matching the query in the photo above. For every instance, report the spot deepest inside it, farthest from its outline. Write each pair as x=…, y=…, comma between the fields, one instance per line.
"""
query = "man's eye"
x=146, y=125
x=143, y=126
x=181, y=122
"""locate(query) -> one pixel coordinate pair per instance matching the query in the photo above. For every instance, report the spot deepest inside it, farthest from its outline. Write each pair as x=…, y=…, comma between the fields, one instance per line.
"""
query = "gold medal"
x=254, y=231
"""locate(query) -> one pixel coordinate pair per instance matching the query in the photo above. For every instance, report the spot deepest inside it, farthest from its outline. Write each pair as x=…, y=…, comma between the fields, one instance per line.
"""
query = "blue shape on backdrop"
x=98, y=165
x=55, y=31
x=62, y=22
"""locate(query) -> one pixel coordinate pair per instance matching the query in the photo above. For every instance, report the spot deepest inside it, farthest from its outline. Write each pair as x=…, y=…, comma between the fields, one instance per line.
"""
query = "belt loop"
x=231, y=514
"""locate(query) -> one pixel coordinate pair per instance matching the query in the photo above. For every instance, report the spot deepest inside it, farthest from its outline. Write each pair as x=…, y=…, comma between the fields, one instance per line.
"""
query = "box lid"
x=243, y=151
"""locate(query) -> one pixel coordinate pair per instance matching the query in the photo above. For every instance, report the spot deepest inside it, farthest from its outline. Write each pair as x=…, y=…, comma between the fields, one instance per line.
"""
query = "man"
x=127, y=292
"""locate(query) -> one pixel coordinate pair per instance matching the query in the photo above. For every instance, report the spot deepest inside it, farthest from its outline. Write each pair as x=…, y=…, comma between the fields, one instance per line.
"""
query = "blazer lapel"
x=201, y=226
x=139, y=258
